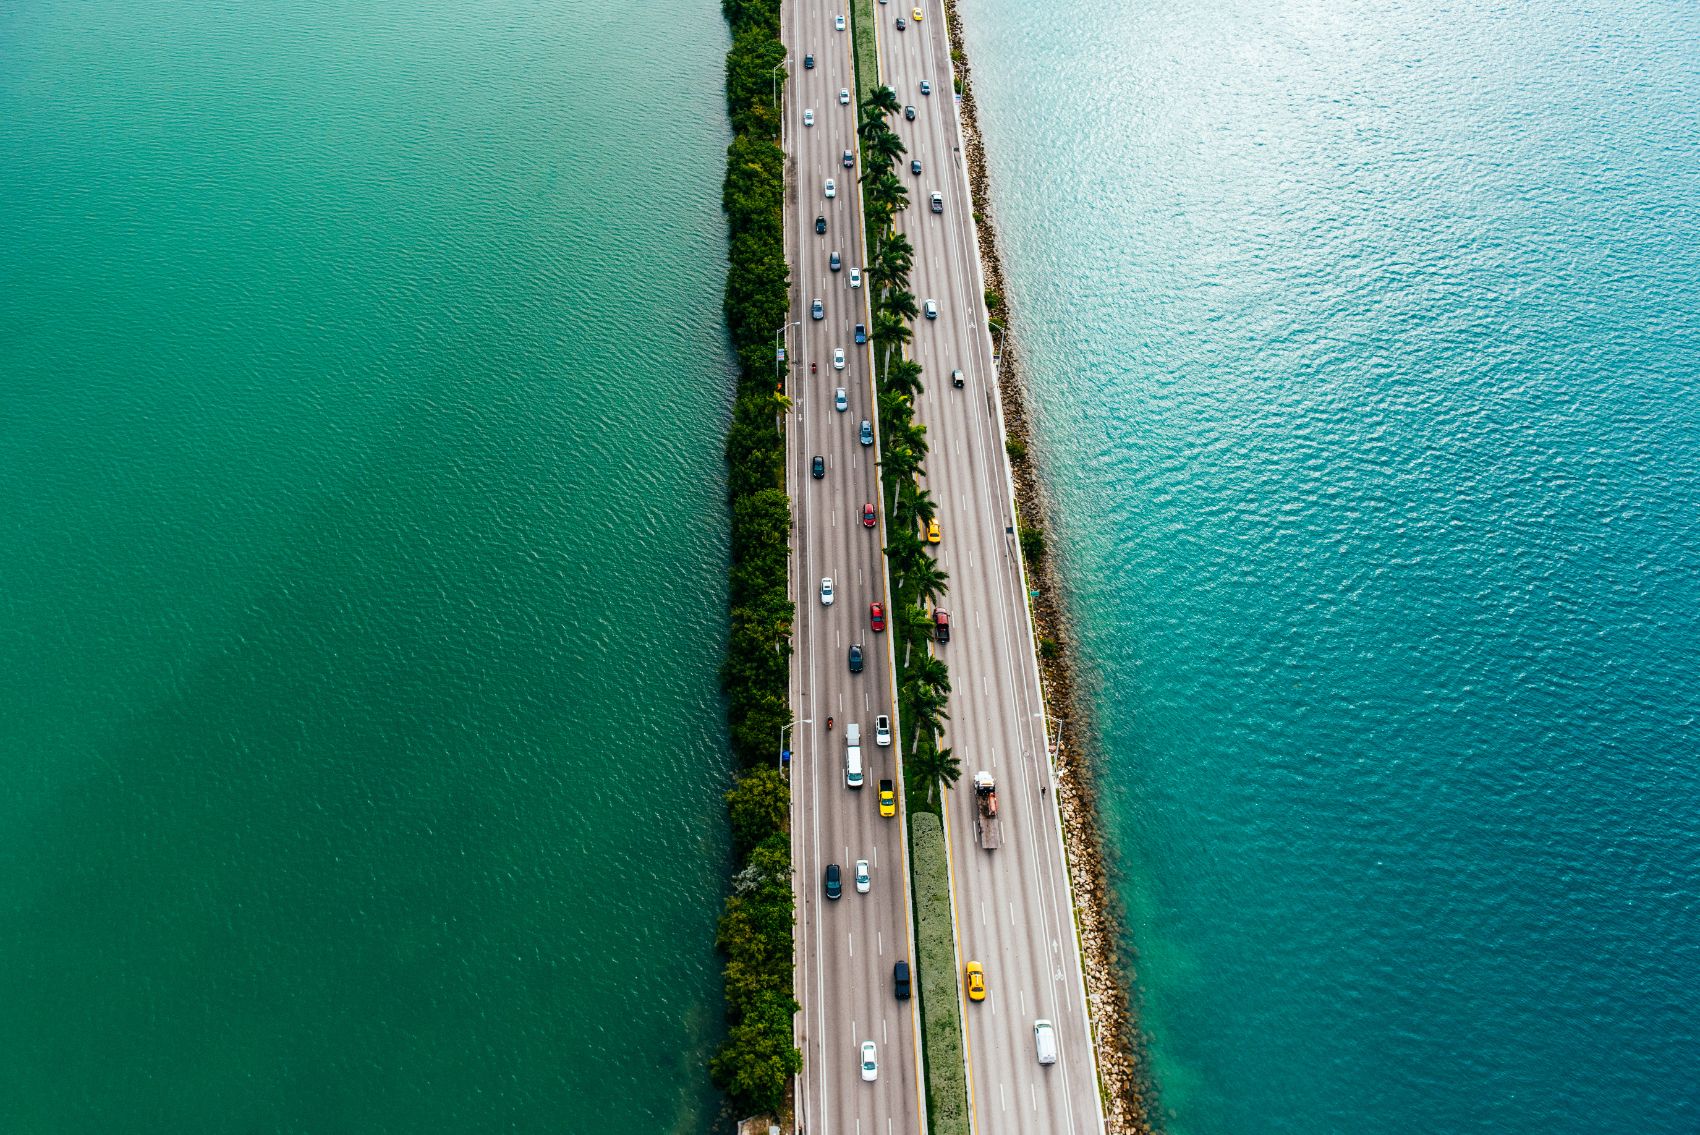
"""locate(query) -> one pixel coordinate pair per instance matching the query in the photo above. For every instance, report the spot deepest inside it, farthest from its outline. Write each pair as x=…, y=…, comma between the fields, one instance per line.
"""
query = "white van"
x=853, y=755
x=1045, y=1041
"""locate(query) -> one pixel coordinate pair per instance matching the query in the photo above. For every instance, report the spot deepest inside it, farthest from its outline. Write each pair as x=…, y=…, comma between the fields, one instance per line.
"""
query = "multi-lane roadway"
x=1012, y=905
x=846, y=947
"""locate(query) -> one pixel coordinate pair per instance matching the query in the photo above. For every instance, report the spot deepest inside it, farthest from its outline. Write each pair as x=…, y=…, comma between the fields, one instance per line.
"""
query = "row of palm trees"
x=917, y=579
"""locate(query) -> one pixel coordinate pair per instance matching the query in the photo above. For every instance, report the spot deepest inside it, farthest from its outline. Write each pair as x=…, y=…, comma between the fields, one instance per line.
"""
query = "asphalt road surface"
x=1013, y=906
x=846, y=947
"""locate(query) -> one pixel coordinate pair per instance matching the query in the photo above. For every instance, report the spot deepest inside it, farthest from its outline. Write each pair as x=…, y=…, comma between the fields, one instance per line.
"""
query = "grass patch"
x=935, y=943
x=867, y=48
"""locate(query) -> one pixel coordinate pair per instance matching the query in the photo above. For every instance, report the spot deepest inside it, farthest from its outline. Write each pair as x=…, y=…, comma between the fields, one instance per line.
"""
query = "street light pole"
x=784, y=729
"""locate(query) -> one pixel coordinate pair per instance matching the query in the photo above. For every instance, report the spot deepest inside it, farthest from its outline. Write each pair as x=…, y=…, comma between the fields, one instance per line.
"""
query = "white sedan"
x=831, y=188
x=843, y=96
x=838, y=22
x=863, y=882
x=826, y=592
x=855, y=277
x=808, y=118
x=838, y=358
x=870, y=1061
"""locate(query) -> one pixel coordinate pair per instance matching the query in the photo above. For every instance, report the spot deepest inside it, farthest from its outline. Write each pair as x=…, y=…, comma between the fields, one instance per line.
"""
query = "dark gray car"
x=855, y=658
x=834, y=882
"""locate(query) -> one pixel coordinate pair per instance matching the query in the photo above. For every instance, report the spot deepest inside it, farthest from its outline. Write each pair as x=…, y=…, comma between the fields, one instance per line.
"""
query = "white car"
x=831, y=188
x=931, y=309
x=843, y=96
x=808, y=118
x=838, y=358
x=826, y=592
x=870, y=1061
x=855, y=277
x=838, y=22
x=882, y=730
x=863, y=882
x=841, y=400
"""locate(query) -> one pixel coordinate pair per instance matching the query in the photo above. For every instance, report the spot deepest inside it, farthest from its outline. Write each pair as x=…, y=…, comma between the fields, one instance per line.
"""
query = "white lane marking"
x=850, y=942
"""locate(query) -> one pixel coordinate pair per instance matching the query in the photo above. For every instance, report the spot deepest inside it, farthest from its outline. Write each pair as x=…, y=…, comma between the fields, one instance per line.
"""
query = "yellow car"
x=888, y=799
x=917, y=15
x=932, y=531
x=976, y=982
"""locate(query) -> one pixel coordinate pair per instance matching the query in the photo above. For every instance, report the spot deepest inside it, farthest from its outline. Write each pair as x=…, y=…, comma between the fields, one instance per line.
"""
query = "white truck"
x=853, y=755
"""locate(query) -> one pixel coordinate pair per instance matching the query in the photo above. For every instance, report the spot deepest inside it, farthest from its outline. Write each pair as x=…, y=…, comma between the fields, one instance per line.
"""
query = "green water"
x=362, y=566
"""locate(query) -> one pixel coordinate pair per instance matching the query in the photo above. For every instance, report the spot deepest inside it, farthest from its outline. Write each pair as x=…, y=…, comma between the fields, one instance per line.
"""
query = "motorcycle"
x=829, y=725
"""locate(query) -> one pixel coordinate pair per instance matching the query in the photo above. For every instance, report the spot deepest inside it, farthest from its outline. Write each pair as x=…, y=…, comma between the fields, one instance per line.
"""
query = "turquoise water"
x=362, y=575
x=1367, y=340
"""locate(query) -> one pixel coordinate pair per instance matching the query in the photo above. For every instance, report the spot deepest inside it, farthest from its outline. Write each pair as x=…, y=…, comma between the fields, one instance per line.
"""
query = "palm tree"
x=872, y=127
x=889, y=192
x=903, y=377
x=931, y=671
x=880, y=150
x=898, y=460
x=900, y=304
x=928, y=579
x=916, y=622
x=922, y=504
x=889, y=331
x=882, y=99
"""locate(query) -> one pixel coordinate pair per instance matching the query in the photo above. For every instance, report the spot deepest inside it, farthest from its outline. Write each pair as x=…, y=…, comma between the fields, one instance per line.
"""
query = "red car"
x=867, y=516
x=876, y=616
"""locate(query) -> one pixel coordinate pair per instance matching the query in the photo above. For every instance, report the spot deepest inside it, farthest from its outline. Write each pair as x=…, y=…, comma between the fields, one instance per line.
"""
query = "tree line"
x=756, y=1062
x=917, y=581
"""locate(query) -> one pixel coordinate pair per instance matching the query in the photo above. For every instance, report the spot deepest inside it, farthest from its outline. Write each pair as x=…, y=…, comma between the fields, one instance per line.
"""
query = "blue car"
x=867, y=432
x=861, y=334
x=808, y=62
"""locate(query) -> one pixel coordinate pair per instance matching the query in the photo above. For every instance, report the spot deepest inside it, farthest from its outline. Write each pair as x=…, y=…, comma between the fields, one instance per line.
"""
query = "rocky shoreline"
x=1130, y=1101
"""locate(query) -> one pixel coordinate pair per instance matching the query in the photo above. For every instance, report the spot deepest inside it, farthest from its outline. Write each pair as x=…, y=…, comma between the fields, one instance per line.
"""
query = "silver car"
x=841, y=400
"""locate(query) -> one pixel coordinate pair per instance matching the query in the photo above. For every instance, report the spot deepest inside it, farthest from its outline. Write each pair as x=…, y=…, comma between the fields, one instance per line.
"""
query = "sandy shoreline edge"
x=1129, y=1096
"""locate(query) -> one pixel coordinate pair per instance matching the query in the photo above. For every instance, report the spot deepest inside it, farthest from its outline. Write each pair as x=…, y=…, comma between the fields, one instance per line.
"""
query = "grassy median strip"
x=941, y=1020
x=867, y=47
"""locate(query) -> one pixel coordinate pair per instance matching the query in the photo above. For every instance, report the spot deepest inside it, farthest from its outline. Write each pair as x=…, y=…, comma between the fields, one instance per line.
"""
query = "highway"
x=845, y=947
x=1013, y=906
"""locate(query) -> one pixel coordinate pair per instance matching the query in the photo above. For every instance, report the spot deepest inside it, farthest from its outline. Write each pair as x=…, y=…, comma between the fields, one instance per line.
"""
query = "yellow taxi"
x=917, y=14
x=976, y=982
x=932, y=531
x=888, y=799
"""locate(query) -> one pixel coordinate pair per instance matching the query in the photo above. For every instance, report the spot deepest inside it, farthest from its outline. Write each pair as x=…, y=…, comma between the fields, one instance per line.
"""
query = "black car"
x=909, y=113
x=809, y=62
x=915, y=165
x=849, y=159
x=834, y=882
x=855, y=658
x=956, y=379
x=900, y=980
x=817, y=468
x=941, y=625
x=902, y=23
x=820, y=224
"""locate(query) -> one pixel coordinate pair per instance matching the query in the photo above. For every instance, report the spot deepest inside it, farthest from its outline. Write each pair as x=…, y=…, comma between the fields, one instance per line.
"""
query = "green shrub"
x=1032, y=545
x=1016, y=448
